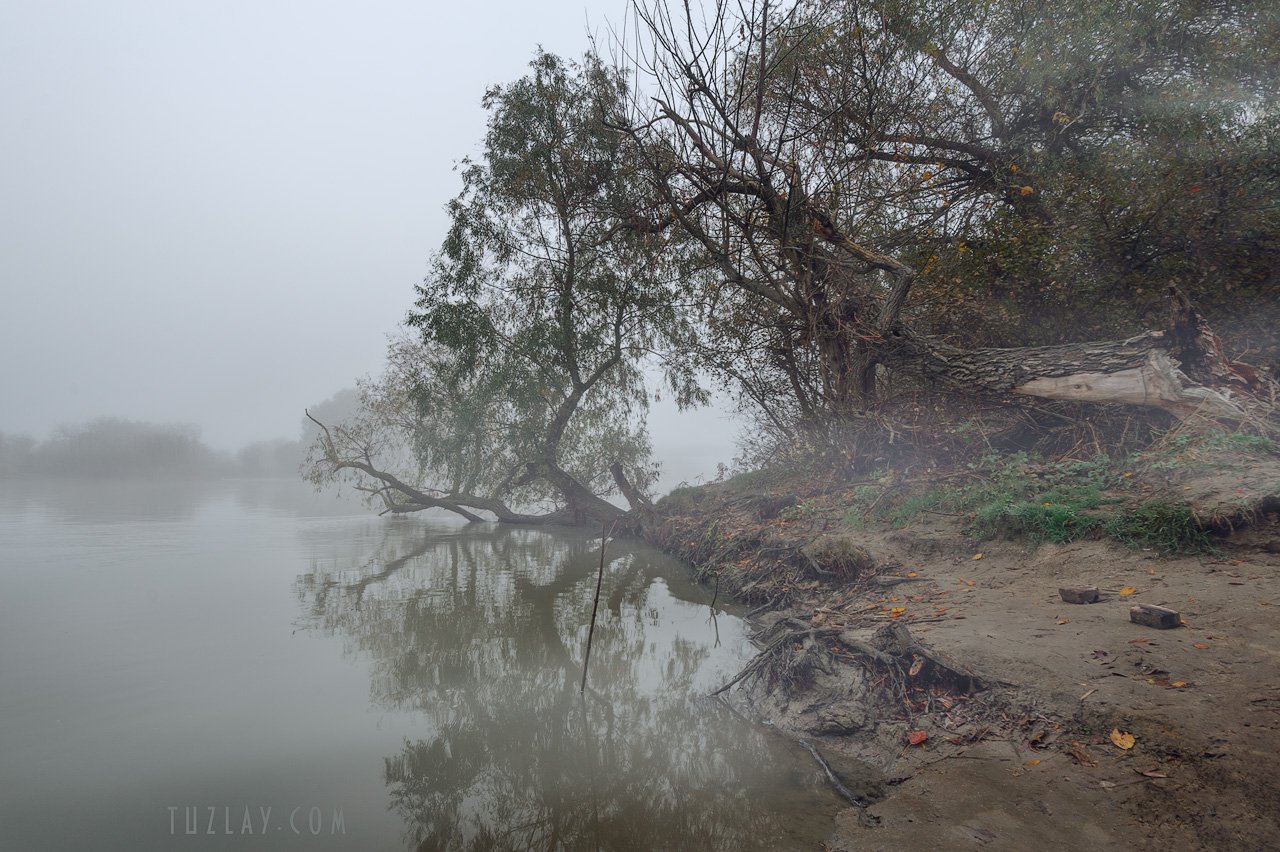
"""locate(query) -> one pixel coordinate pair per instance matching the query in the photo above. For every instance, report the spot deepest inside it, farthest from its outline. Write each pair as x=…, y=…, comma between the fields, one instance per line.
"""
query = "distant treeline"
x=111, y=448
x=116, y=448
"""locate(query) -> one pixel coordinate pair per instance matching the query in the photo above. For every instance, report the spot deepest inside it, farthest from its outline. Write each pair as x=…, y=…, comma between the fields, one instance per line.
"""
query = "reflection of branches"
x=483, y=635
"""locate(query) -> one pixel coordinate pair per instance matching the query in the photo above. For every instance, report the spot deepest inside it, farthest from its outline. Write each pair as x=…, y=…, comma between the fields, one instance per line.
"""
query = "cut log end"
x=1156, y=382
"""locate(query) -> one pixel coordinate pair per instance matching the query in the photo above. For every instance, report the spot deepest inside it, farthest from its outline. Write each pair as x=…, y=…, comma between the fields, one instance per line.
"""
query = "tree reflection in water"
x=483, y=630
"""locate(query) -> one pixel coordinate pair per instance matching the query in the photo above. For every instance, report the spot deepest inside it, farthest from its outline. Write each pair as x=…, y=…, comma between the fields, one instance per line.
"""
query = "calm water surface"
x=247, y=665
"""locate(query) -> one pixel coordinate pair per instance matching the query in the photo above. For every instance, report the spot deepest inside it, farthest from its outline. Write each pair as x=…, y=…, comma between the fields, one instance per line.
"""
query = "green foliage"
x=537, y=313
x=806, y=510
x=1165, y=526
x=1188, y=452
x=1035, y=522
x=1019, y=497
x=912, y=507
x=1036, y=173
x=1235, y=442
x=1015, y=497
x=1047, y=170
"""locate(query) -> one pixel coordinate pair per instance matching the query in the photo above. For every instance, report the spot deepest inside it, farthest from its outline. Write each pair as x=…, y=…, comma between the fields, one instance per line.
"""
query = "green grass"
x=1036, y=522
x=1190, y=453
x=1168, y=527
x=914, y=506
x=1037, y=500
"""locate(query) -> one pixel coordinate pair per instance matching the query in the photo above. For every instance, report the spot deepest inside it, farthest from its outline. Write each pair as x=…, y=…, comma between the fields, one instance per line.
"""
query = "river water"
x=248, y=665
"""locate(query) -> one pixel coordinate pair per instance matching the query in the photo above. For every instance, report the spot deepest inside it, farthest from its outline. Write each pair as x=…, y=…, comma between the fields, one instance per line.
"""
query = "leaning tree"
x=519, y=392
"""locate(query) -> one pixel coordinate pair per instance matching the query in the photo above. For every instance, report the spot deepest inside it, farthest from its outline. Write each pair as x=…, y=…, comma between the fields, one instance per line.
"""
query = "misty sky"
x=213, y=213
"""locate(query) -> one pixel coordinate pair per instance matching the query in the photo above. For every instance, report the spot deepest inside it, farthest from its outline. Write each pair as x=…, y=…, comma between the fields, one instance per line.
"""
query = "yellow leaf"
x=1026, y=190
x=1128, y=590
x=1178, y=684
x=1035, y=762
x=1122, y=739
x=1062, y=621
x=911, y=573
x=975, y=557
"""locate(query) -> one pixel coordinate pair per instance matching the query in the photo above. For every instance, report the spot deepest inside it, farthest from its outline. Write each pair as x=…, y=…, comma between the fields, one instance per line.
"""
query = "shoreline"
x=1018, y=693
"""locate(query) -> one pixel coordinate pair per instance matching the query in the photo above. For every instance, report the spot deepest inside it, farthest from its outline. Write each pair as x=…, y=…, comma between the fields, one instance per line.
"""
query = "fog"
x=213, y=214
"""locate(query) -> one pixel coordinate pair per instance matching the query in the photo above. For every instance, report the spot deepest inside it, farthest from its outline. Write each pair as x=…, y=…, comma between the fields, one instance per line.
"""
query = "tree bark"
x=1139, y=371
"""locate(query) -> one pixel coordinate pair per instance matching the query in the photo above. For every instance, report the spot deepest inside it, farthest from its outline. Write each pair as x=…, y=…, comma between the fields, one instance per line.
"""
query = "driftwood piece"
x=896, y=581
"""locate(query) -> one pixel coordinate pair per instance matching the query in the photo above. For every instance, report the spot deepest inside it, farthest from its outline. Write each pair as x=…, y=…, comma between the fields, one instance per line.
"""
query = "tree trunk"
x=1139, y=371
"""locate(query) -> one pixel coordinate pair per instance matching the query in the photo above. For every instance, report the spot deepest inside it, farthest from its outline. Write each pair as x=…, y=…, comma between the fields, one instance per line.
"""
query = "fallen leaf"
x=1203, y=646
x=1128, y=590
x=917, y=737
x=1106, y=785
x=912, y=574
x=1081, y=756
x=1153, y=773
x=1122, y=739
x=916, y=665
x=1035, y=762
x=1178, y=684
x=1063, y=621
x=1139, y=641
x=975, y=557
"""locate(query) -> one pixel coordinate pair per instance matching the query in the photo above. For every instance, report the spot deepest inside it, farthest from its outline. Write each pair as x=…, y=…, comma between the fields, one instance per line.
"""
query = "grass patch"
x=912, y=507
x=1193, y=453
x=1050, y=501
x=1168, y=527
x=1037, y=500
x=1036, y=522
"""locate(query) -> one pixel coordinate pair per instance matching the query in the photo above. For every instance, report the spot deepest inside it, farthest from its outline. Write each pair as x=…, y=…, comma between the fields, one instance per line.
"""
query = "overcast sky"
x=213, y=213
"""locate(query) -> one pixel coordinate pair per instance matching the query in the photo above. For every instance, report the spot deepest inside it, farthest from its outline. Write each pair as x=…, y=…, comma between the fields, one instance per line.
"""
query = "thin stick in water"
x=604, y=537
x=849, y=796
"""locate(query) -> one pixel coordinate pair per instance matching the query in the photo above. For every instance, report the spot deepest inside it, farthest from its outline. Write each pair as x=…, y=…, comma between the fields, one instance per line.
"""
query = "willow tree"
x=520, y=392
x=959, y=196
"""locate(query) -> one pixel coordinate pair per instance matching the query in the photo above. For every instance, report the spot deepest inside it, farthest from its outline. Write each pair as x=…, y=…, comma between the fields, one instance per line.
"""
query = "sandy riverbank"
x=1016, y=693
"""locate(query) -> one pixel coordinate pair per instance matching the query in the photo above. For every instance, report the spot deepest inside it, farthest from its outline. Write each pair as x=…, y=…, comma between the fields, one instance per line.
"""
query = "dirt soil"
x=1023, y=703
